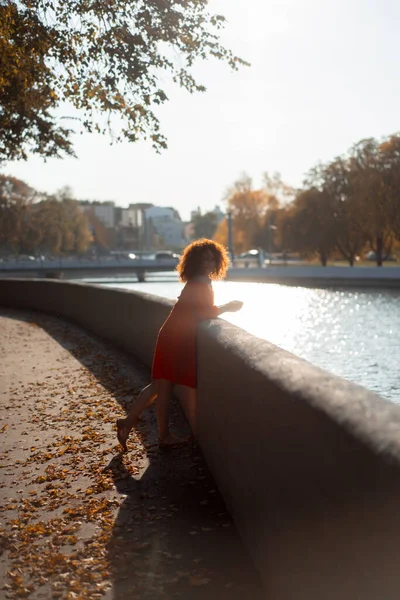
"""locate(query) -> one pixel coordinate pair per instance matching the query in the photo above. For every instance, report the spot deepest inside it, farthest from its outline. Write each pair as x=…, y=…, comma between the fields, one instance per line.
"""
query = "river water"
x=352, y=333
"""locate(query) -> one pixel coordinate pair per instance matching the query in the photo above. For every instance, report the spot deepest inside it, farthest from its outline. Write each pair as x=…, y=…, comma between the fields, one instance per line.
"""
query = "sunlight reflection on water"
x=352, y=333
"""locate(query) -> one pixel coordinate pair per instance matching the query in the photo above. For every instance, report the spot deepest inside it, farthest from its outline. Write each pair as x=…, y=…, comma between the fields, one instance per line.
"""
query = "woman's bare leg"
x=164, y=397
x=188, y=400
x=124, y=426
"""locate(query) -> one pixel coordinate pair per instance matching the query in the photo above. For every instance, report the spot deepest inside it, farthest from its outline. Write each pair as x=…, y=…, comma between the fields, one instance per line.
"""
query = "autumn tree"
x=337, y=181
x=277, y=189
x=248, y=208
x=28, y=94
x=63, y=225
x=346, y=204
x=276, y=195
x=375, y=181
x=389, y=150
x=313, y=228
x=284, y=236
x=266, y=235
x=221, y=233
x=34, y=223
x=16, y=199
x=108, y=60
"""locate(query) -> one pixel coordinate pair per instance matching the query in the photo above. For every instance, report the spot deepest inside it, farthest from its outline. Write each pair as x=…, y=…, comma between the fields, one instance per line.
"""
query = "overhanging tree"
x=107, y=58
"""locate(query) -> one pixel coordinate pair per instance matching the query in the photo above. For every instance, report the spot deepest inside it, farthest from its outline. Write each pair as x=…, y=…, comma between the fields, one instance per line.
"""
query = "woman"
x=175, y=356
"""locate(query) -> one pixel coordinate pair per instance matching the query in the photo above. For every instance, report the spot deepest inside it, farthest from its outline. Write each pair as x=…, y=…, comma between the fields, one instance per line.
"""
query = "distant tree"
x=337, y=180
x=64, y=226
x=16, y=199
x=284, y=237
x=205, y=225
x=390, y=159
x=345, y=206
x=374, y=184
x=101, y=238
x=277, y=195
x=267, y=235
x=249, y=208
x=221, y=233
x=33, y=223
x=313, y=228
x=106, y=59
x=278, y=189
x=396, y=249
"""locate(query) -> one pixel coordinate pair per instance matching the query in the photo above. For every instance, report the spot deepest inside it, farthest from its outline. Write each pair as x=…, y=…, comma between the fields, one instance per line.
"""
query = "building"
x=105, y=212
x=132, y=227
x=140, y=226
x=164, y=229
x=102, y=218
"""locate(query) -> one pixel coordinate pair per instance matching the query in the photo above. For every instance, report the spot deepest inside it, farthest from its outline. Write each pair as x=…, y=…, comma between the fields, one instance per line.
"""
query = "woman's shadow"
x=172, y=537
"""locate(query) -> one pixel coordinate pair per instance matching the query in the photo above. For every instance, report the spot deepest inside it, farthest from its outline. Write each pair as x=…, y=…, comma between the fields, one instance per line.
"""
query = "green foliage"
x=108, y=59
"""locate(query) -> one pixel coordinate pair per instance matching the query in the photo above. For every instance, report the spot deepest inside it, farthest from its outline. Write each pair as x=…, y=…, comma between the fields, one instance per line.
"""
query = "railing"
x=66, y=263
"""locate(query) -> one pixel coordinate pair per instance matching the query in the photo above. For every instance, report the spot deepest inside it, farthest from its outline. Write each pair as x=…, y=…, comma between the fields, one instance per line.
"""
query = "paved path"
x=78, y=520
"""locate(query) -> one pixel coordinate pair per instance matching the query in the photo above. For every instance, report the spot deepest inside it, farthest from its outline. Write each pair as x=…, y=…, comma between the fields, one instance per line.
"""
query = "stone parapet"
x=308, y=463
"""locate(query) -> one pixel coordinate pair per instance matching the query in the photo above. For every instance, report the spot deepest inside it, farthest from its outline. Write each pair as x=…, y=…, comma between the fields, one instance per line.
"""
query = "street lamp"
x=270, y=229
x=230, y=237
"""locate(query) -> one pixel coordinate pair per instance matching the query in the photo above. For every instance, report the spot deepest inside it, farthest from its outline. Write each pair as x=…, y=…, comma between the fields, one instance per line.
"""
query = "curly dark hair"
x=190, y=263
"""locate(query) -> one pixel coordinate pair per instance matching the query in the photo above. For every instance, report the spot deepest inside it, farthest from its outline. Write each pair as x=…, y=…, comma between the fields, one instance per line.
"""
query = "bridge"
x=74, y=268
x=110, y=267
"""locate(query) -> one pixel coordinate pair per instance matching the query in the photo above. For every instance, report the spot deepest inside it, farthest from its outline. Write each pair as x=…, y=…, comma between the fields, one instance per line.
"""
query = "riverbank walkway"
x=80, y=520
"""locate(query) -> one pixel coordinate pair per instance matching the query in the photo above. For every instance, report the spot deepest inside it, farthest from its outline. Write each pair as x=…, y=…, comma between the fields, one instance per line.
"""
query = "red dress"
x=176, y=349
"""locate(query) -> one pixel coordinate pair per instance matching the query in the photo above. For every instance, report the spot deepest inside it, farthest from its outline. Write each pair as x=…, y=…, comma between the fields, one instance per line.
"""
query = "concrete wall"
x=308, y=463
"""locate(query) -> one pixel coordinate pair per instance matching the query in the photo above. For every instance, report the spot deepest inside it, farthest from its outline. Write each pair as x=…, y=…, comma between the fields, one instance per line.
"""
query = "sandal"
x=120, y=434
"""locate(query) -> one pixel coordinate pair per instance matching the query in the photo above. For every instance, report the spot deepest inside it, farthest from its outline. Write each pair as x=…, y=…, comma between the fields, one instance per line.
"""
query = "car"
x=23, y=257
x=250, y=258
x=371, y=255
x=249, y=254
x=166, y=256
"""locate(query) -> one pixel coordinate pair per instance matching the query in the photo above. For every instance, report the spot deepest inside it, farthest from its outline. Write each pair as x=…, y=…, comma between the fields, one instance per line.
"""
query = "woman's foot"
x=170, y=441
x=122, y=434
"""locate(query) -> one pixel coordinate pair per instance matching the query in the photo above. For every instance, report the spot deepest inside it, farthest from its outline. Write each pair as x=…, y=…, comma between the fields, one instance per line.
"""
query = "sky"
x=323, y=76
